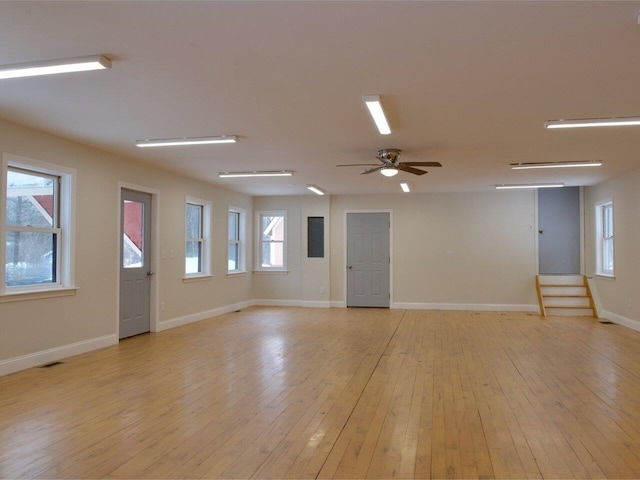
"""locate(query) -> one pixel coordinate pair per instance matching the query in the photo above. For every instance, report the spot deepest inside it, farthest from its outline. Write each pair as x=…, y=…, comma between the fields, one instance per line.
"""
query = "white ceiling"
x=468, y=84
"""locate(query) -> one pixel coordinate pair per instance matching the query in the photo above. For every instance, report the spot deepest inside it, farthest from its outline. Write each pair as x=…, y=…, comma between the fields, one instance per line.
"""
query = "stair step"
x=569, y=312
x=571, y=280
x=564, y=295
x=565, y=290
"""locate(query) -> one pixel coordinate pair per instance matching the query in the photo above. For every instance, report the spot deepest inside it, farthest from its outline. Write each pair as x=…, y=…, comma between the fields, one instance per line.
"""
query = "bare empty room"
x=319, y=239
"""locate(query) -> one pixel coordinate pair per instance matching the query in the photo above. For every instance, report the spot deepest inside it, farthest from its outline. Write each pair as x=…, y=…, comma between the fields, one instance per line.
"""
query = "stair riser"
x=566, y=302
x=561, y=280
x=569, y=291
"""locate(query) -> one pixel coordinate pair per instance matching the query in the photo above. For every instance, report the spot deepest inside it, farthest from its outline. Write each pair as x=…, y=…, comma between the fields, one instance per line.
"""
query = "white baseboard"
x=479, y=307
x=196, y=317
x=620, y=320
x=30, y=360
x=293, y=303
x=338, y=304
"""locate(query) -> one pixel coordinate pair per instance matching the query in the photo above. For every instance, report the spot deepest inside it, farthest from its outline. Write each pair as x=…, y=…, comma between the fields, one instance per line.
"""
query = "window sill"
x=271, y=272
x=37, y=294
x=604, y=276
x=236, y=273
x=197, y=278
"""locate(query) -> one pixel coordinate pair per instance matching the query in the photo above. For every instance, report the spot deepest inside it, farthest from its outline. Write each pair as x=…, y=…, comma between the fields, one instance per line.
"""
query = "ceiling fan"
x=391, y=165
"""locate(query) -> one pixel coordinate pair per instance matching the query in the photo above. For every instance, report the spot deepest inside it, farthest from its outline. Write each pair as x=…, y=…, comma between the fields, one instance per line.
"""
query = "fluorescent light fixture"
x=48, y=67
x=315, y=189
x=256, y=173
x=405, y=187
x=593, y=122
x=389, y=171
x=170, y=142
x=527, y=166
x=530, y=185
x=375, y=109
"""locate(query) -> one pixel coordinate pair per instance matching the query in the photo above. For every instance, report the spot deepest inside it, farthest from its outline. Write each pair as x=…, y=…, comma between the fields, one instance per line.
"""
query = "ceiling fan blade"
x=415, y=171
x=373, y=170
x=358, y=165
x=421, y=164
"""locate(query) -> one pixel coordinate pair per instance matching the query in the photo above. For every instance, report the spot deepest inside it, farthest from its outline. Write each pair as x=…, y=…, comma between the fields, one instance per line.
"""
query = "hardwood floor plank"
x=276, y=392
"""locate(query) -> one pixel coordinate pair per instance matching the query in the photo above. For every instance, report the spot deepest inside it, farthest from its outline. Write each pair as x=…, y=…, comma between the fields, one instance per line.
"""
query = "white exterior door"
x=135, y=264
x=368, y=259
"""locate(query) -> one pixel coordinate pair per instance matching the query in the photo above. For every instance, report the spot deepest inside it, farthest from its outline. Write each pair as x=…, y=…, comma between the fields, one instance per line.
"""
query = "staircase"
x=565, y=295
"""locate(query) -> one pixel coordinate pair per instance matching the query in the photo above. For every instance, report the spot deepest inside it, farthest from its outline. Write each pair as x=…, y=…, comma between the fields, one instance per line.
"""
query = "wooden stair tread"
x=562, y=285
x=557, y=295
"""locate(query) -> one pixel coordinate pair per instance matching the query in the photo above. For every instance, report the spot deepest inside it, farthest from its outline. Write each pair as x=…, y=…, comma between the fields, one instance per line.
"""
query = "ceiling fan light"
x=389, y=171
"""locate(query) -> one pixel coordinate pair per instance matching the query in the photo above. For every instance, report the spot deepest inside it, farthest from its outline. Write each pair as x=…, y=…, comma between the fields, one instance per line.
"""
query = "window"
x=197, y=233
x=37, y=226
x=604, y=240
x=235, y=258
x=272, y=251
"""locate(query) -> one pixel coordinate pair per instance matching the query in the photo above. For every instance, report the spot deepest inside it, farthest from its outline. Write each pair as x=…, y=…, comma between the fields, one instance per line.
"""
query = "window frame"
x=605, y=235
x=259, y=242
x=64, y=228
x=240, y=242
x=204, y=239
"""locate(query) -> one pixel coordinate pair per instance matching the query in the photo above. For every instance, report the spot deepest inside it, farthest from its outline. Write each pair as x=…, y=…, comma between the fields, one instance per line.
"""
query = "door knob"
x=540, y=231
x=149, y=273
x=349, y=267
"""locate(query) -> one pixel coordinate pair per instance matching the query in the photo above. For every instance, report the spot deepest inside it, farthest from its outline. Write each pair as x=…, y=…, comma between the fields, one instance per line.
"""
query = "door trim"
x=344, y=257
x=154, y=310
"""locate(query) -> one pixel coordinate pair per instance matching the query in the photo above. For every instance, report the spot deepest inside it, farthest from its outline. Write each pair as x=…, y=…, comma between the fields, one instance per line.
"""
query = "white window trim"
x=206, y=238
x=66, y=260
x=242, y=243
x=599, y=238
x=258, y=244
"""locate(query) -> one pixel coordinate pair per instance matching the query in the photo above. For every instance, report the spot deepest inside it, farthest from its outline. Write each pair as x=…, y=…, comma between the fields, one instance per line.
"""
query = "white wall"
x=306, y=278
x=618, y=296
x=89, y=318
x=450, y=250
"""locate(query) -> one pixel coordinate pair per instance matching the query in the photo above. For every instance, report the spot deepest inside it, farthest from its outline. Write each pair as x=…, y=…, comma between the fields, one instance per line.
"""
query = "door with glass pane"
x=135, y=267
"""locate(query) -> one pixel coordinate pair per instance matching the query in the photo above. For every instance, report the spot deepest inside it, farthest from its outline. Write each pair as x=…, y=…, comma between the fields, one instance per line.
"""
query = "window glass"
x=31, y=199
x=272, y=241
x=605, y=242
x=133, y=236
x=197, y=237
x=30, y=258
x=31, y=229
x=234, y=252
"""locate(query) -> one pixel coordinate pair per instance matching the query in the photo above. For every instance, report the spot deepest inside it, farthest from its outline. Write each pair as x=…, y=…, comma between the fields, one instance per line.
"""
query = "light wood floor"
x=336, y=393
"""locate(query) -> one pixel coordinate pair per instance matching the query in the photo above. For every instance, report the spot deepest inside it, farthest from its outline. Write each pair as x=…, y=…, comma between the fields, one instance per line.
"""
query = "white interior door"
x=368, y=259
x=135, y=265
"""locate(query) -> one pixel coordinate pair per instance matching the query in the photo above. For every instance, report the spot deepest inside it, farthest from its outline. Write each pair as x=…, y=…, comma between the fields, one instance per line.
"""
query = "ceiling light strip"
x=405, y=187
x=528, y=166
x=256, y=173
x=49, y=67
x=375, y=109
x=315, y=189
x=592, y=122
x=531, y=185
x=170, y=142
